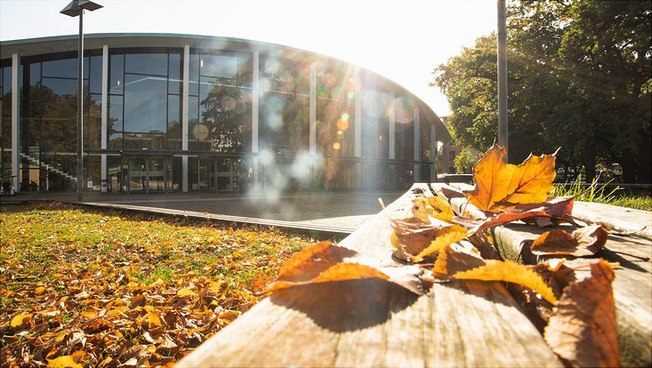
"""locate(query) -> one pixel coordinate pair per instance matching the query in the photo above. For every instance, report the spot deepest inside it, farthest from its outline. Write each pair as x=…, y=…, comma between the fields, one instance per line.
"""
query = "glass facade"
x=242, y=118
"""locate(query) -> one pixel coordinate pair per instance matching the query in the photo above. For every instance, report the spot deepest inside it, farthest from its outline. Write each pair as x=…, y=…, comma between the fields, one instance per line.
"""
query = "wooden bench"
x=373, y=323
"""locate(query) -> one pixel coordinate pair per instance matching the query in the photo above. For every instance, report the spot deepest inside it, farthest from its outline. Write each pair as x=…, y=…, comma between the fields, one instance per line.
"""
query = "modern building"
x=167, y=112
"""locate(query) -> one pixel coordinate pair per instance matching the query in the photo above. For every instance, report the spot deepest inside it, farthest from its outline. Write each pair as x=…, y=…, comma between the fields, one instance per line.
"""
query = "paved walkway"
x=327, y=212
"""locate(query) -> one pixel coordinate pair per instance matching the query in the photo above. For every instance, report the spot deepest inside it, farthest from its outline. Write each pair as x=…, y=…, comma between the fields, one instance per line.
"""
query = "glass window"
x=404, y=129
x=150, y=64
x=174, y=73
x=145, y=103
x=193, y=85
x=93, y=121
x=335, y=111
x=220, y=66
x=375, y=124
x=115, y=117
x=95, y=72
x=62, y=68
x=60, y=86
x=116, y=74
x=174, y=123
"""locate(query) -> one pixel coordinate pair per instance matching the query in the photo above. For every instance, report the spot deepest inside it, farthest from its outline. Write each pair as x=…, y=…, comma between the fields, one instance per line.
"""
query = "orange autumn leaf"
x=582, y=242
x=311, y=261
x=509, y=271
x=337, y=272
x=498, y=184
x=583, y=328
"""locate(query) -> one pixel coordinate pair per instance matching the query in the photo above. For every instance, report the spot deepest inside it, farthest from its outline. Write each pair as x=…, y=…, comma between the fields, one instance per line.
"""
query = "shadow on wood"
x=346, y=305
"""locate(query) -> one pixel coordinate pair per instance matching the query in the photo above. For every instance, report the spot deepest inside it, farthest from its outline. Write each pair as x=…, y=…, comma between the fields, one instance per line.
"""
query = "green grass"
x=602, y=193
x=60, y=263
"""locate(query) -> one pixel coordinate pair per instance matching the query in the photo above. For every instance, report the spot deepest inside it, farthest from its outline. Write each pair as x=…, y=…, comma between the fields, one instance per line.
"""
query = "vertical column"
x=184, y=118
x=417, y=145
x=105, y=111
x=255, y=100
x=15, y=125
x=392, y=125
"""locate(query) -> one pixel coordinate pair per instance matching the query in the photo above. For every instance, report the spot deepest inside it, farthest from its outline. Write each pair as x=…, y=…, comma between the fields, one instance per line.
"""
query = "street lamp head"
x=75, y=7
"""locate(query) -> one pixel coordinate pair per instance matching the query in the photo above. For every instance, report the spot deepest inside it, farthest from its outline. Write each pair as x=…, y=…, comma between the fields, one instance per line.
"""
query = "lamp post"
x=76, y=8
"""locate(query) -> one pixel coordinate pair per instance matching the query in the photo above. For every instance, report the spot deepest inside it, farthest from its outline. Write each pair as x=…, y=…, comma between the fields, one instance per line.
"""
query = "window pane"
x=174, y=73
x=115, y=116
x=95, y=74
x=116, y=74
x=145, y=103
x=151, y=64
x=64, y=68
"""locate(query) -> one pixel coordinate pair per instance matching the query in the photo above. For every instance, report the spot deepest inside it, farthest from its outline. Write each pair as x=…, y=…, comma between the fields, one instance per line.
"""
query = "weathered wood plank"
x=374, y=323
x=632, y=287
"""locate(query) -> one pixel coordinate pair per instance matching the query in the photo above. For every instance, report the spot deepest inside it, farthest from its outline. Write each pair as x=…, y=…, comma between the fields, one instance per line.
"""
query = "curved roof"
x=57, y=44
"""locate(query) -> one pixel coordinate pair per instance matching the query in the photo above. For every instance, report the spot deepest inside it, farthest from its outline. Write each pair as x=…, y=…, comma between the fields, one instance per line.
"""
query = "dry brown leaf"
x=583, y=327
x=412, y=235
x=455, y=258
x=586, y=241
x=509, y=271
x=499, y=185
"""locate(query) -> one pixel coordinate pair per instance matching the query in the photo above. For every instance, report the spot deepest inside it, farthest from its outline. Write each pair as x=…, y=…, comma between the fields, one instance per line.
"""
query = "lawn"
x=81, y=287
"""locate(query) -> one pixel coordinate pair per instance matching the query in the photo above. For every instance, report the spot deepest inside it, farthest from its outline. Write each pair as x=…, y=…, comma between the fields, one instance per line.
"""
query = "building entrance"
x=148, y=174
x=218, y=174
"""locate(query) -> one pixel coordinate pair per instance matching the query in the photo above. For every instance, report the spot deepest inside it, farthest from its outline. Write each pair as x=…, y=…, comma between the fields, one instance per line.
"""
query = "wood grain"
x=376, y=323
x=632, y=287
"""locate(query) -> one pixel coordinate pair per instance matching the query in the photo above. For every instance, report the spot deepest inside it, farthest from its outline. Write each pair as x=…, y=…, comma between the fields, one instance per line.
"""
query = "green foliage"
x=465, y=160
x=579, y=77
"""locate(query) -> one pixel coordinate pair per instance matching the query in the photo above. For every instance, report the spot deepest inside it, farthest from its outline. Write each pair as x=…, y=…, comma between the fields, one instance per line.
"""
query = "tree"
x=579, y=77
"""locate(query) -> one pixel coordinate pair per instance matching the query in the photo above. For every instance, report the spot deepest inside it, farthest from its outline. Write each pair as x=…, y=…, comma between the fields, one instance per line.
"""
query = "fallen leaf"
x=411, y=236
x=21, y=320
x=456, y=258
x=311, y=261
x=337, y=272
x=586, y=241
x=583, y=327
x=498, y=184
x=65, y=361
x=185, y=292
x=450, y=235
x=509, y=271
x=322, y=263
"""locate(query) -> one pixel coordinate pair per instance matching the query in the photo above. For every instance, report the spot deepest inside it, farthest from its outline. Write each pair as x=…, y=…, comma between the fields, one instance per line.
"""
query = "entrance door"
x=217, y=174
x=147, y=174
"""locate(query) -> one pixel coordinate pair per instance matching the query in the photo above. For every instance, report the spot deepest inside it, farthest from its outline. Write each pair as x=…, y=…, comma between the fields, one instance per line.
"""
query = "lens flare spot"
x=342, y=124
x=345, y=117
x=336, y=146
x=339, y=132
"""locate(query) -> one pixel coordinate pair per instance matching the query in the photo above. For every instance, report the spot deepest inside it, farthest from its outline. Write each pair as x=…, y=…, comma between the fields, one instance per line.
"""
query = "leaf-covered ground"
x=81, y=287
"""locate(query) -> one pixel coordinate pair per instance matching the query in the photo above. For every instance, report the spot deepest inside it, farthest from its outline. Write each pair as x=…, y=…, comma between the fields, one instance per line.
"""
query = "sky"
x=403, y=40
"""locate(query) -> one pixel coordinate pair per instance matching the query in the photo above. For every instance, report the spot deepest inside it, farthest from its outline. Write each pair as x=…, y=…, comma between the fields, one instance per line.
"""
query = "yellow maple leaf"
x=498, y=184
x=65, y=361
x=449, y=236
x=510, y=272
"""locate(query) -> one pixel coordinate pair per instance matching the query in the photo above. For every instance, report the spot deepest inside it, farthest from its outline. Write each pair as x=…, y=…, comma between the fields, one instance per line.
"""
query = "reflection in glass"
x=145, y=103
